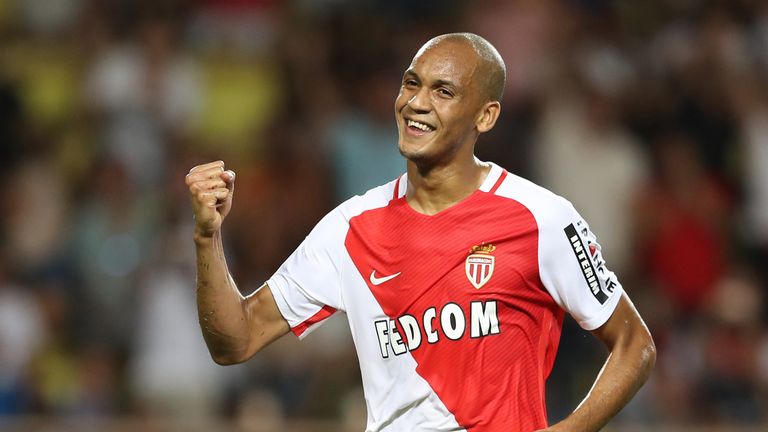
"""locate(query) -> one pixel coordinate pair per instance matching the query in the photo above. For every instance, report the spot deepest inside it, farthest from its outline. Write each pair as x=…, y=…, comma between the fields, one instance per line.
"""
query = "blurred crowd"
x=650, y=116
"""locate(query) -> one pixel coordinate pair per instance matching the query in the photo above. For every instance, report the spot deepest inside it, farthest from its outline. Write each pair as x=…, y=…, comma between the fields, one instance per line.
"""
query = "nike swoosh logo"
x=381, y=280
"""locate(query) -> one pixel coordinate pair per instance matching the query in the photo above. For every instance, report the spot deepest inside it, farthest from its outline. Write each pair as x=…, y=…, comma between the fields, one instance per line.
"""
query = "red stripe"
x=499, y=181
x=322, y=314
x=397, y=188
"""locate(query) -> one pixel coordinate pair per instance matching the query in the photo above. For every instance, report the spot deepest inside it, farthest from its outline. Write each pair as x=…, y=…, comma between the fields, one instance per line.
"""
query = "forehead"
x=446, y=60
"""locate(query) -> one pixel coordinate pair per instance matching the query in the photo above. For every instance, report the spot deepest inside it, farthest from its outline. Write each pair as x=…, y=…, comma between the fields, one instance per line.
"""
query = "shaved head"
x=492, y=68
x=450, y=94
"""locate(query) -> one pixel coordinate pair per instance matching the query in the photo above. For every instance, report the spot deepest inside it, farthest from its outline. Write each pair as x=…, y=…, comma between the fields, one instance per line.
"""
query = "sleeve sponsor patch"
x=583, y=256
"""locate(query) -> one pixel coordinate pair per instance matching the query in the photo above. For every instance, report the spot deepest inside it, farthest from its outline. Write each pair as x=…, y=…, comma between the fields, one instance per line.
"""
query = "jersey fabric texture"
x=456, y=317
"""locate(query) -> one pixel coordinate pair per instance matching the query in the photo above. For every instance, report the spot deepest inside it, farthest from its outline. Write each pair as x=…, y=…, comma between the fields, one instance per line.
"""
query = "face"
x=440, y=103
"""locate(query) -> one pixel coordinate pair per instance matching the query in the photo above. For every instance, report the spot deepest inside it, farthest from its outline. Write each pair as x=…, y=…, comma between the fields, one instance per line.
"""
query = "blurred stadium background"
x=650, y=116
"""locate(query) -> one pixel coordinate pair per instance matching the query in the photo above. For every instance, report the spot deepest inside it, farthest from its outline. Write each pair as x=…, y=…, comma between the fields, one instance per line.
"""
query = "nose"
x=419, y=102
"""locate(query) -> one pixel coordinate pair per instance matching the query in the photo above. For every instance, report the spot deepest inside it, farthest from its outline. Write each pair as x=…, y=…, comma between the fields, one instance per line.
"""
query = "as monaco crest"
x=479, y=264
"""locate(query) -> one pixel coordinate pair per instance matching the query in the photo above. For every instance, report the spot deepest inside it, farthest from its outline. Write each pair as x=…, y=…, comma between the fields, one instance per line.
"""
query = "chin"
x=407, y=150
x=420, y=158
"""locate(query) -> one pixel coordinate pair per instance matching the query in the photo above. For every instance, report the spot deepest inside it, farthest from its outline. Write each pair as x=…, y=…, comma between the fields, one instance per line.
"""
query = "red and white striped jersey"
x=456, y=317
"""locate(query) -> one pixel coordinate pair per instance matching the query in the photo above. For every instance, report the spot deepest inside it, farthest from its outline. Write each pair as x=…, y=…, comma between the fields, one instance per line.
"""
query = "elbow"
x=228, y=357
x=648, y=353
x=225, y=360
x=639, y=350
x=651, y=350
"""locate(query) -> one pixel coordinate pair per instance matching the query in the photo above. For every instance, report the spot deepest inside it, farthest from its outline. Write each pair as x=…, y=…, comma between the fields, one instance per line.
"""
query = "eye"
x=410, y=83
x=444, y=92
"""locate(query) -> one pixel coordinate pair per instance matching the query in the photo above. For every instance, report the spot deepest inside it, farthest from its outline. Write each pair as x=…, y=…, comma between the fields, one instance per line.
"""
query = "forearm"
x=220, y=306
x=623, y=373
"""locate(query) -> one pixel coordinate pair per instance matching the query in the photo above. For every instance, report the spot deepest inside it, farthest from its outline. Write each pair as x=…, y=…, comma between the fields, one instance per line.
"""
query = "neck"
x=433, y=189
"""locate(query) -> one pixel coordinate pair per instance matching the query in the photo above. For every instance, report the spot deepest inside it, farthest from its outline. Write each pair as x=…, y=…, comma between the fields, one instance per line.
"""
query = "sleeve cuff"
x=604, y=312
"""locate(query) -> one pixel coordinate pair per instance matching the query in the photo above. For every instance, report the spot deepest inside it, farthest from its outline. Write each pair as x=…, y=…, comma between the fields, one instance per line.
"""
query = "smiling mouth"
x=418, y=128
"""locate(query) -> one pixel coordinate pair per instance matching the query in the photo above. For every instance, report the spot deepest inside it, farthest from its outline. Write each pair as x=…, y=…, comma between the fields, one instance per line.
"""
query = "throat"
x=439, y=191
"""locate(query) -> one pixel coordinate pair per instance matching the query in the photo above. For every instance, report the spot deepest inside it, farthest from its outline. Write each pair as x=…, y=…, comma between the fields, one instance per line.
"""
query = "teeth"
x=418, y=125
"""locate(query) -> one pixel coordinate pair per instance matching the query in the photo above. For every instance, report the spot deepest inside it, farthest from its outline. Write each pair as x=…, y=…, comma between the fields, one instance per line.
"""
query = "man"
x=454, y=277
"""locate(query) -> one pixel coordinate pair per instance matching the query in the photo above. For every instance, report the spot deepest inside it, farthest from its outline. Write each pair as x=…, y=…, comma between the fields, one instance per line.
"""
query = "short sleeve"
x=573, y=270
x=307, y=286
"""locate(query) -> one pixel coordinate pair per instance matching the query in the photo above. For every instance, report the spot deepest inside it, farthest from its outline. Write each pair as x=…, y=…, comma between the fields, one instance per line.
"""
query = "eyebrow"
x=410, y=71
x=437, y=83
x=446, y=83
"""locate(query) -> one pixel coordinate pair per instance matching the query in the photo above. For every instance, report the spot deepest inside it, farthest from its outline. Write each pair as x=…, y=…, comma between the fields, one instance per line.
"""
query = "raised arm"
x=632, y=356
x=234, y=327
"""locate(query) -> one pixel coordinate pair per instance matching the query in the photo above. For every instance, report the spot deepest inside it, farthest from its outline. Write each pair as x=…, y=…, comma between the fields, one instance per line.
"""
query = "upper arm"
x=574, y=271
x=266, y=323
x=625, y=329
x=572, y=267
x=307, y=288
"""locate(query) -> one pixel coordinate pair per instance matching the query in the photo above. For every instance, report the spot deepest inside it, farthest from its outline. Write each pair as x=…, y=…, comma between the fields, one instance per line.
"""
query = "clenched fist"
x=210, y=189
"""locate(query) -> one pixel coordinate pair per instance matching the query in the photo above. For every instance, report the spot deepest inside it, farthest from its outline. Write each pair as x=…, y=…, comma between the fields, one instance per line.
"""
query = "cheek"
x=400, y=100
x=454, y=122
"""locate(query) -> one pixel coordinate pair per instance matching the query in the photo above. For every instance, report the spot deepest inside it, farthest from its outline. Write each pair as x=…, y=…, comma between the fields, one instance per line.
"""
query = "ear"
x=488, y=116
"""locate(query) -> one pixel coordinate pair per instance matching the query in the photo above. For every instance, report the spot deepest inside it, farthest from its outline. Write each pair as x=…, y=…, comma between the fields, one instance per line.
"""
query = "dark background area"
x=651, y=117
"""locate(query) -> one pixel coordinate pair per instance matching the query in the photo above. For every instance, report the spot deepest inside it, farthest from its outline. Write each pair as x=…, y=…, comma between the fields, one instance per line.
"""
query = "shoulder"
x=374, y=198
x=337, y=220
x=548, y=208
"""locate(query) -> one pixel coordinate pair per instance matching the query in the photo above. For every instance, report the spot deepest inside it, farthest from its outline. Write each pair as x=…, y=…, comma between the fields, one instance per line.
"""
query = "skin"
x=234, y=327
x=632, y=356
x=443, y=89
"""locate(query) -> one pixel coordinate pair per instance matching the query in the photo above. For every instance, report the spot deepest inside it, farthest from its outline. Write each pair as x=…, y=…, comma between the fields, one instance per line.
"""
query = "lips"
x=415, y=127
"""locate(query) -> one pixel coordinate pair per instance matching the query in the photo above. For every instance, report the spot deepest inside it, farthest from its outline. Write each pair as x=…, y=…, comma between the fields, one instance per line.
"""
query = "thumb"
x=229, y=179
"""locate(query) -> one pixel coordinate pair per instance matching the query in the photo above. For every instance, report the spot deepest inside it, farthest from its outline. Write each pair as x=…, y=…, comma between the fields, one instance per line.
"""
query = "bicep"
x=625, y=327
x=265, y=320
x=573, y=270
